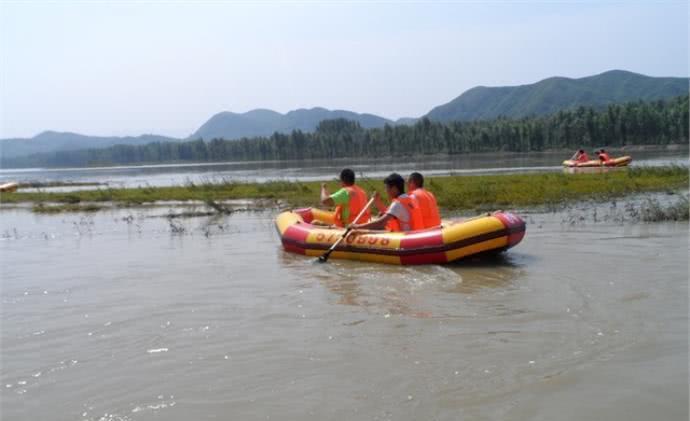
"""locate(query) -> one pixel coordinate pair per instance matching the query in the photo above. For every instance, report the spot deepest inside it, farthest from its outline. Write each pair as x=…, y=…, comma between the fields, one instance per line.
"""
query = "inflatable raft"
x=451, y=241
x=8, y=187
x=615, y=162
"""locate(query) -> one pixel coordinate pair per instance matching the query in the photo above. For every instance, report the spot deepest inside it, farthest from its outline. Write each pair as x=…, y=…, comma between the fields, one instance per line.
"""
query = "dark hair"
x=581, y=151
x=417, y=178
x=347, y=176
x=395, y=180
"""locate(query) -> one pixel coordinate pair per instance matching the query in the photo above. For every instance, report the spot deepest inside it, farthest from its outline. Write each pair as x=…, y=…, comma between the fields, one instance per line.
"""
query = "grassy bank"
x=480, y=192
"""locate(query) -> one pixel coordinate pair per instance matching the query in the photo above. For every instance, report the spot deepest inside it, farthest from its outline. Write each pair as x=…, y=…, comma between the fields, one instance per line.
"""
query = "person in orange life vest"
x=426, y=199
x=580, y=156
x=348, y=201
x=603, y=156
x=403, y=214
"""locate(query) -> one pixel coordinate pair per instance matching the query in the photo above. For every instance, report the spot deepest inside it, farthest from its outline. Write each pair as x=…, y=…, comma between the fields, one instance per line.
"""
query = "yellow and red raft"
x=451, y=241
x=621, y=161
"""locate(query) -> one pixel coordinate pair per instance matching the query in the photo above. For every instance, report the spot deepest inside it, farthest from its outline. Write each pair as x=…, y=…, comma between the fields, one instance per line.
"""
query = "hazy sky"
x=165, y=68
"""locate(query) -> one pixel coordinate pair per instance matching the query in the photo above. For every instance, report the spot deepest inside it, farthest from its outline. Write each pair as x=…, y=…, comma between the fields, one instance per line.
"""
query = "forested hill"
x=557, y=93
x=480, y=103
x=227, y=125
x=223, y=125
x=637, y=123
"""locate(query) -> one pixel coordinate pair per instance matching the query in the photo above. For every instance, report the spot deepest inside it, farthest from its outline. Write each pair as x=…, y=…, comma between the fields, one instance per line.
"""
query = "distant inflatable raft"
x=452, y=241
x=615, y=162
x=8, y=187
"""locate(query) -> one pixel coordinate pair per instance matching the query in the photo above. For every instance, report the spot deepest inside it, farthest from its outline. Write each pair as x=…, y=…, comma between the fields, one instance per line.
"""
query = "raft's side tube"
x=454, y=241
x=615, y=162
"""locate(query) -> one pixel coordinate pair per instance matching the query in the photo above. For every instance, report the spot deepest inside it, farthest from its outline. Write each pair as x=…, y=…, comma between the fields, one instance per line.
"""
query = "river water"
x=178, y=174
x=128, y=315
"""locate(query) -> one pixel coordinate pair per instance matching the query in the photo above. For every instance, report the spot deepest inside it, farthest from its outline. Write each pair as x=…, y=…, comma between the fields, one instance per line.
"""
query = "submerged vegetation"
x=636, y=123
x=50, y=184
x=472, y=193
x=653, y=211
x=65, y=207
x=649, y=208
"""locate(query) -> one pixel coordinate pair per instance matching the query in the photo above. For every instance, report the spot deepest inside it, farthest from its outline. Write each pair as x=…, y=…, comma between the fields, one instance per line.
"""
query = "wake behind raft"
x=451, y=241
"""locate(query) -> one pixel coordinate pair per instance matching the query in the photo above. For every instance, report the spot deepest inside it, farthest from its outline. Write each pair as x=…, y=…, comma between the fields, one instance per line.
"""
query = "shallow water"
x=125, y=315
x=177, y=174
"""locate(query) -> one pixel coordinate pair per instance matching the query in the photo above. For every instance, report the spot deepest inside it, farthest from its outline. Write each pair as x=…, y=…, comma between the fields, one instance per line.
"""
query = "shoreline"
x=672, y=147
x=454, y=193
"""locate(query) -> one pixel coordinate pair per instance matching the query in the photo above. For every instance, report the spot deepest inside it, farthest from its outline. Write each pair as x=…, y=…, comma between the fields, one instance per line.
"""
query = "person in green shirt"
x=348, y=201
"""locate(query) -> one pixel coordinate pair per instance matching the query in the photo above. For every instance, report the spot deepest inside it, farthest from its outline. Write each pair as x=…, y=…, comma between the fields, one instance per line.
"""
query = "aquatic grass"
x=551, y=189
x=652, y=210
x=68, y=207
x=475, y=192
x=49, y=184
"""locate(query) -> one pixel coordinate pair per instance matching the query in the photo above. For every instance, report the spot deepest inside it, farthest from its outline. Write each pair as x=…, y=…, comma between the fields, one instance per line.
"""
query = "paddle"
x=324, y=257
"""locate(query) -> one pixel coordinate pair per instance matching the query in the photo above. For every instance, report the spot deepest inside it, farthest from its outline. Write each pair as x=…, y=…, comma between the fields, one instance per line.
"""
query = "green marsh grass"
x=475, y=192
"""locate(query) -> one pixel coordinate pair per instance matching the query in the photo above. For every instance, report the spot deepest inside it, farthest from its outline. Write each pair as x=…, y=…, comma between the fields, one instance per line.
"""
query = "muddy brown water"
x=124, y=315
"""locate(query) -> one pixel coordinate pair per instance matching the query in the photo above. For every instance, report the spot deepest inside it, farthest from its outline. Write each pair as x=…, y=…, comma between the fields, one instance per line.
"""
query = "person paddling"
x=580, y=156
x=348, y=201
x=426, y=200
x=403, y=214
x=603, y=156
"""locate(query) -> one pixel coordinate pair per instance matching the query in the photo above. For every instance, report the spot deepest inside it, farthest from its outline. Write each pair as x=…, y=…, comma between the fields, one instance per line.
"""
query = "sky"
x=128, y=68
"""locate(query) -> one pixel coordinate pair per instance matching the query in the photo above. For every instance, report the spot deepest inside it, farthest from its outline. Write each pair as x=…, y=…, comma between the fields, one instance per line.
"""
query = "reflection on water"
x=491, y=271
x=119, y=316
x=400, y=289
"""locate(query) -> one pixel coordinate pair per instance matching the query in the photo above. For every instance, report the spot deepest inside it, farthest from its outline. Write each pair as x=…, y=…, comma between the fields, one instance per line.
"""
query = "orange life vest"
x=414, y=212
x=583, y=157
x=358, y=200
x=604, y=156
x=428, y=207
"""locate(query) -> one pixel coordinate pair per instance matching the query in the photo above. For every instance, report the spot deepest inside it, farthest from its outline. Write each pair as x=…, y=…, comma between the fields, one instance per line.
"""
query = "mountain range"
x=479, y=103
x=266, y=122
x=50, y=141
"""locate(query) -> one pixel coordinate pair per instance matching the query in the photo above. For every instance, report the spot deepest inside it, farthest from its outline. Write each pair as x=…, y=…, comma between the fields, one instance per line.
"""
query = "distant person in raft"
x=426, y=200
x=603, y=156
x=403, y=214
x=580, y=156
x=348, y=201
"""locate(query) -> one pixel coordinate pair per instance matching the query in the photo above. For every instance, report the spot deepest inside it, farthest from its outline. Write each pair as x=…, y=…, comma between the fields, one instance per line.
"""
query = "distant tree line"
x=636, y=123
